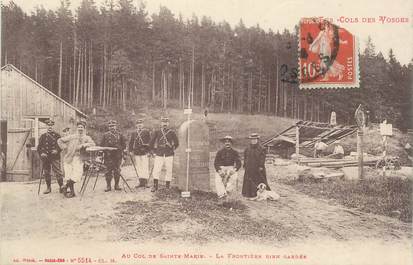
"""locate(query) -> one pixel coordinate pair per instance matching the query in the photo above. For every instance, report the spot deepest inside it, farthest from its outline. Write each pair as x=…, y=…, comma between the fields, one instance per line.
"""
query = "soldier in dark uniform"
x=113, y=159
x=227, y=163
x=49, y=153
x=139, y=150
x=163, y=143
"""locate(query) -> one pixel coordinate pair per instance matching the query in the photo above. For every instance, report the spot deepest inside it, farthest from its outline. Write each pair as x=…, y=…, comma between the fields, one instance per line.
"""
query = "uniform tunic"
x=254, y=159
x=139, y=142
x=48, y=144
x=164, y=142
x=139, y=146
x=113, y=159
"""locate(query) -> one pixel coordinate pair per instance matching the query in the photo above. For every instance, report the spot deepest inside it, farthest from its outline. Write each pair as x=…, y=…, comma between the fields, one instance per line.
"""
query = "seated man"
x=319, y=147
x=227, y=163
x=338, y=151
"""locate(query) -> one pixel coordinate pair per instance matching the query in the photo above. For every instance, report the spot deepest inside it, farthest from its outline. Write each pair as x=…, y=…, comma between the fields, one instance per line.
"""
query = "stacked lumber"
x=337, y=163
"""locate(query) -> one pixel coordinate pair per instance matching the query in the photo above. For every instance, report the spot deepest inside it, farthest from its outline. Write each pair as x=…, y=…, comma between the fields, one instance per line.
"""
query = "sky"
x=392, y=26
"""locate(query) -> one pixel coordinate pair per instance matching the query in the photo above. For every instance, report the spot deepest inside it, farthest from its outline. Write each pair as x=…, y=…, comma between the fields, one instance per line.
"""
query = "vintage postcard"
x=206, y=132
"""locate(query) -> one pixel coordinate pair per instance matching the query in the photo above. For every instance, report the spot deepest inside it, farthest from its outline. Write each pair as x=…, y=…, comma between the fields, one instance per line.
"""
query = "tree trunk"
x=77, y=92
x=305, y=107
x=285, y=94
x=59, y=93
x=193, y=76
x=85, y=76
x=232, y=92
x=276, y=90
x=123, y=94
x=259, y=93
x=202, y=85
x=74, y=68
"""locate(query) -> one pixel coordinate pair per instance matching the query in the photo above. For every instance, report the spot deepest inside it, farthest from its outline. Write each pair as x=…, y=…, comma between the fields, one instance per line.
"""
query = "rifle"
x=40, y=181
x=134, y=166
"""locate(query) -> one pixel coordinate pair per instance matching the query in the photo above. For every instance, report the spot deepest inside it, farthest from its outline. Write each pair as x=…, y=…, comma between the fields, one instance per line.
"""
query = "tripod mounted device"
x=95, y=165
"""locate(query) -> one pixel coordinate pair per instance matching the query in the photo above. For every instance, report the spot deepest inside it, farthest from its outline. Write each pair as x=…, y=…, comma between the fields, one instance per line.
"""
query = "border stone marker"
x=199, y=177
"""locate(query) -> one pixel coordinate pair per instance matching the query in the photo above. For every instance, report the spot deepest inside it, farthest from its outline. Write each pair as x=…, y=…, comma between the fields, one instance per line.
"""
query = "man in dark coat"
x=227, y=163
x=49, y=153
x=254, y=164
x=113, y=159
x=139, y=151
x=163, y=144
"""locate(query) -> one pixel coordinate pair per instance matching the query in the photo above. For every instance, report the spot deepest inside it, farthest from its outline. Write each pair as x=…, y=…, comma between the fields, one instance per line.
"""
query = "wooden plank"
x=19, y=172
x=18, y=130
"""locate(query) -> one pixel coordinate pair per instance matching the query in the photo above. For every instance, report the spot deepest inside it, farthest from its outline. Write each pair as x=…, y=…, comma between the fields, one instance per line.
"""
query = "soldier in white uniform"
x=140, y=151
x=163, y=144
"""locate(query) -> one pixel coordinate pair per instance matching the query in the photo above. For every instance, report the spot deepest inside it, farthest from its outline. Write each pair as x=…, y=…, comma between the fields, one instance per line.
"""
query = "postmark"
x=328, y=56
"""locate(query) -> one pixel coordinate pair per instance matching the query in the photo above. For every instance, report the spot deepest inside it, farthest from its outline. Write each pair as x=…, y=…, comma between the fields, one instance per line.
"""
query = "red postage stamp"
x=328, y=56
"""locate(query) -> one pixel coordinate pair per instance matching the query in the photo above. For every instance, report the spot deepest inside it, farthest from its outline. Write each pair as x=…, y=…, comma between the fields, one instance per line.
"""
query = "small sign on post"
x=386, y=129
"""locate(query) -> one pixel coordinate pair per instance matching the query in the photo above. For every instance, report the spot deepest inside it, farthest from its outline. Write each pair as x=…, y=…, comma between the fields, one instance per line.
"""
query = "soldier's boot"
x=60, y=182
x=168, y=184
x=108, y=186
x=71, y=193
x=72, y=189
x=117, y=178
x=145, y=183
x=155, y=185
x=64, y=188
x=141, y=183
x=48, y=185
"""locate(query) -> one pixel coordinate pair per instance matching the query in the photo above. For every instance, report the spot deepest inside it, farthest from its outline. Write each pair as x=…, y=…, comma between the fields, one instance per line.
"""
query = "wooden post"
x=36, y=131
x=360, y=153
x=384, y=154
x=3, y=149
x=360, y=119
x=297, y=142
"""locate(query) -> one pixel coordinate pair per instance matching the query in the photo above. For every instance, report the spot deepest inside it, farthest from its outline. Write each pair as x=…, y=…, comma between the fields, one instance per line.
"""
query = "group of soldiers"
x=71, y=149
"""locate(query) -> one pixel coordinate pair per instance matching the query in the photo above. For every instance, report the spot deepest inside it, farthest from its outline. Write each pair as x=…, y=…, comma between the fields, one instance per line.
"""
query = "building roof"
x=9, y=67
x=310, y=132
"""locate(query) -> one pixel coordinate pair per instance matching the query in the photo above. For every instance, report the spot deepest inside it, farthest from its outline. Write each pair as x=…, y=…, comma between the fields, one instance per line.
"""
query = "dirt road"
x=297, y=222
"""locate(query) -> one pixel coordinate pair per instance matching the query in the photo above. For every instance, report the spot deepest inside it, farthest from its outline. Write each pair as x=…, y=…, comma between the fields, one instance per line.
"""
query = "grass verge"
x=384, y=196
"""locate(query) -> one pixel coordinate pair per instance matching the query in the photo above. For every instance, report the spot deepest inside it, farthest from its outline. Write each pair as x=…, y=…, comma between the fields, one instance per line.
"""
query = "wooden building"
x=24, y=106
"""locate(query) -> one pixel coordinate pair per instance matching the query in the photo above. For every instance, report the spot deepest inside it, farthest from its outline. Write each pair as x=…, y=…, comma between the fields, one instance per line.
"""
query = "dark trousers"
x=48, y=166
x=113, y=170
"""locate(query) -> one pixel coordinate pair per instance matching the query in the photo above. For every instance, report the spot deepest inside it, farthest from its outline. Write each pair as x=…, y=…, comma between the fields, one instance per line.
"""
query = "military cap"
x=164, y=119
x=112, y=122
x=227, y=138
x=49, y=122
x=83, y=123
x=66, y=129
x=254, y=136
x=138, y=121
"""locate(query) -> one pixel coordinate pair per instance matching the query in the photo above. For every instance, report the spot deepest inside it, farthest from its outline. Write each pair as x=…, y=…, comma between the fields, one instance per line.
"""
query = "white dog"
x=263, y=194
